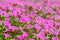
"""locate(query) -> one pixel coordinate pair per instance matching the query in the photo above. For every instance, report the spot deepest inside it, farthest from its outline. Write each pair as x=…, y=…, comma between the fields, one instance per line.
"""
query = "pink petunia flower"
x=54, y=38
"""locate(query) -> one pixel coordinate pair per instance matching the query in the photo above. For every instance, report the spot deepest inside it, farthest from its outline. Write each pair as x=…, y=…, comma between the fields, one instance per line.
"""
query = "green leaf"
x=30, y=8
x=2, y=17
x=59, y=36
x=48, y=39
x=14, y=5
x=30, y=36
x=18, y=23
x=38, y=13
x=16, y=32
x=8, y=38
x=15, y=22
x=37, y=38
x=33, y=30
x=54, y=9
x=26, y=30
x=49, y=14
x=44, y=15
x=53, y=35
x=57, y=20
x=23, y=24
x=26, y=38
x=19, y=6
x=48, y=34
x=18, y=39
x=2, y=28
x=2, y=25
x=11, y=17
x=32, y=23
x=26, y=11
x=1, y=37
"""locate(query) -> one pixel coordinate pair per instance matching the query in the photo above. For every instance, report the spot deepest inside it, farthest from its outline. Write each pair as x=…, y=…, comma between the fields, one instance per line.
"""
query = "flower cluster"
x=29, y=19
